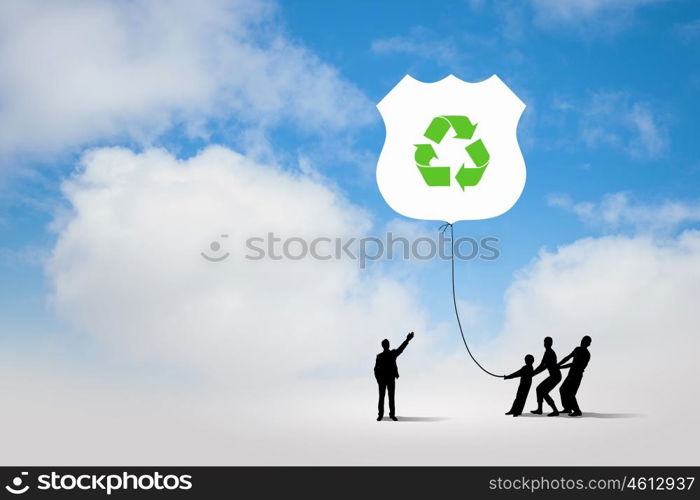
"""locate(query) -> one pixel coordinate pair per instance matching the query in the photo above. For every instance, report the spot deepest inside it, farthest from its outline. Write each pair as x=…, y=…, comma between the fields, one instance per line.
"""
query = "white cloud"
x=286, y=348
x=615, y=120
x=620, y=211
x=590, y=15
x=634, y=295
x=127, y=267
x=612, y=119
x=420, y=43
x=432, y=47
x=76, y=72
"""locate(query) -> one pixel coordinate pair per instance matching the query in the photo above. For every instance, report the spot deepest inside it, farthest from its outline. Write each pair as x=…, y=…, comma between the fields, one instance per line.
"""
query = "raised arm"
x=405, y=343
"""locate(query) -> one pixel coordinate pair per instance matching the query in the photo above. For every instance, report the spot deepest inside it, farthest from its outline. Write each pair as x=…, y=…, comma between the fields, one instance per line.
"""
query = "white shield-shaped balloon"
x=451, y=151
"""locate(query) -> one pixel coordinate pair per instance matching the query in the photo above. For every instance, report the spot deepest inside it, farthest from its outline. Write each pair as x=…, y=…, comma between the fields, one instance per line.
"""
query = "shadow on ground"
x=418, y=419
x=589, y=414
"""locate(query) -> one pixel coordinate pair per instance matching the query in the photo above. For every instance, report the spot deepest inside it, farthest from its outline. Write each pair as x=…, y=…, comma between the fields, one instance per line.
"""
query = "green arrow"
x=469, y=176
x=480, y=156
x=478, y=153
x=462, y=125
x=433, y=176
x=424, y=153
x=437, y=129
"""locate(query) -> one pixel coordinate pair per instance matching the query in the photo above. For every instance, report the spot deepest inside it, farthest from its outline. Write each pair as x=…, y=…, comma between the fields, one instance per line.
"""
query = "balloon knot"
x=444, y=227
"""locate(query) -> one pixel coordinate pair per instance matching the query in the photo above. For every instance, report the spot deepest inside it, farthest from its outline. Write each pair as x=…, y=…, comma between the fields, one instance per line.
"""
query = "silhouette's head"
x=385, y=344
x=548, y=342
x=585, y=341
x=529, y=359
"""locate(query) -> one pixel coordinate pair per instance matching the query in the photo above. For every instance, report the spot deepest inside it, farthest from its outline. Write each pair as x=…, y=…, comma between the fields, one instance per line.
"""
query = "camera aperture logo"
x=17, y=486
x=215, y=248
x=106, y=483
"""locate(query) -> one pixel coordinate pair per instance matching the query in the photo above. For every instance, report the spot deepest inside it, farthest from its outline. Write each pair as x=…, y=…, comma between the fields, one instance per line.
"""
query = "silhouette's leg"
x=575, y=410
x=382, y=390
x=540, y=397
x=550, y=402
x=547, y=386
x=514, y=407
x=565, y=399
x=391, y=386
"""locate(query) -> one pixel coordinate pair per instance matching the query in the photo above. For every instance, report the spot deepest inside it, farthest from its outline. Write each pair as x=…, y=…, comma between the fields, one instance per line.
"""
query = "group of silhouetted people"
x=386, y=372
x=579, y=360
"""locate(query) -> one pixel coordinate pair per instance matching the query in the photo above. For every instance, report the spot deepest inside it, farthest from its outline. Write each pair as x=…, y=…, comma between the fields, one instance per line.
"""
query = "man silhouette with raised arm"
x=549, y=362
x=569, y=388
x=386, y=372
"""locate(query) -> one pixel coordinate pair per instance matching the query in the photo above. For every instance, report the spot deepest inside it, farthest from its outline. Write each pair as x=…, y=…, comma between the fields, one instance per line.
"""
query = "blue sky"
x=612, y=103
x=132, y=134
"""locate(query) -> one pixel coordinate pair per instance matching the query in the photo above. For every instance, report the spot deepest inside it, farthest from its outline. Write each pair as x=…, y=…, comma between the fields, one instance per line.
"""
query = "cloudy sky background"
x=133, y=134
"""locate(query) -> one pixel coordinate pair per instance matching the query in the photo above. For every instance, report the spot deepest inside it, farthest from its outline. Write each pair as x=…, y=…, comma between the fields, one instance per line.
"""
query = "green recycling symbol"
x=440, y=175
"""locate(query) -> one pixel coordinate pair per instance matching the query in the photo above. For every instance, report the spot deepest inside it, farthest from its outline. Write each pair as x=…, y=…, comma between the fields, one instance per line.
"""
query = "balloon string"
x=454, y=298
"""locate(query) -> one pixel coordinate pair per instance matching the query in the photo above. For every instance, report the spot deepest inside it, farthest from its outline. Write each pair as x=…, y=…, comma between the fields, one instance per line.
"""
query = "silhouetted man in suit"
x=549, y=362
x=569, y=388
x=386, y=372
